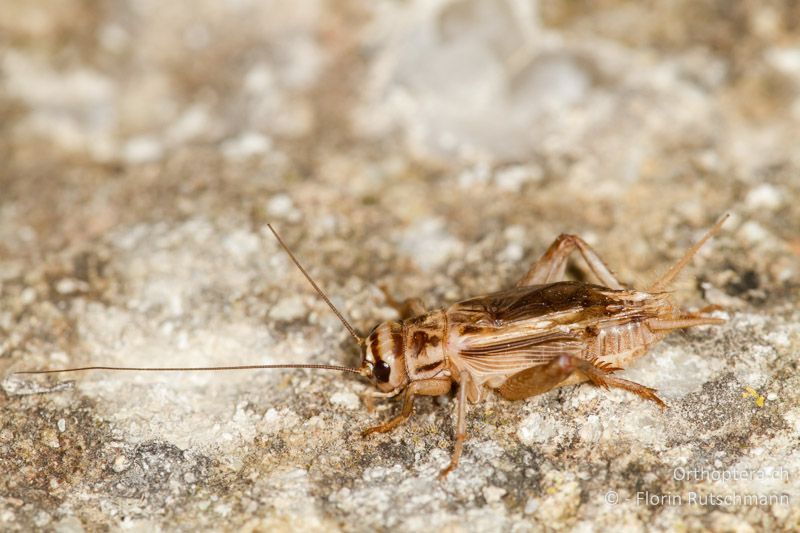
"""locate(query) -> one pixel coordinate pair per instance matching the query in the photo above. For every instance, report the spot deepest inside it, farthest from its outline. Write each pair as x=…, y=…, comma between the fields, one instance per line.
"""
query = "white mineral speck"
x=785, y=59
x=258, y=79
x=192, y=124
x=62, y=425
x=113, y=37
x=764, y=196
x=290, y=308
x=512, y=252
x=271, y=418
x=531, y=505
x=753, y=232
x=248, y=144
x=493, y=494
x=477, y=175
x=28, y=296
x=515, y=233
x=50, y=438
x=242, y=245
x=120, y=464
x=143, y=149
x=345, y=399
x=772, y=396
x=222, y=509
x=792, y=417
x=535, y=429
x=513, y=178
x=591, y=430
x=71, y=524
x=429, y=244
x=41, y=519
x=280, y=205
x=67, y=286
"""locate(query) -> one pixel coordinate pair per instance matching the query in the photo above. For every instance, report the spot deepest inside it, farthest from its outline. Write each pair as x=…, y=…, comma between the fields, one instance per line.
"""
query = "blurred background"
x=435, y=146
x=607, y=108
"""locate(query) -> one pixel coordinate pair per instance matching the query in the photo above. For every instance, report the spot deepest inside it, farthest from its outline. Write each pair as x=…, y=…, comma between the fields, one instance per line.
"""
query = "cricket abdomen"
x=619, y=344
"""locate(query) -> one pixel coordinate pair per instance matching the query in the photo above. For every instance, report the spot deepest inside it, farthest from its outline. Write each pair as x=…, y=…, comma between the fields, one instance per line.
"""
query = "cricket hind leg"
x=551, y=266
x=427, y=387
x=540, y=379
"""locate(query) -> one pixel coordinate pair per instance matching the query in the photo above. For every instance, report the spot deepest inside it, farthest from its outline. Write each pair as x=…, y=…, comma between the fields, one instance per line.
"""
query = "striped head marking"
x=383, y=356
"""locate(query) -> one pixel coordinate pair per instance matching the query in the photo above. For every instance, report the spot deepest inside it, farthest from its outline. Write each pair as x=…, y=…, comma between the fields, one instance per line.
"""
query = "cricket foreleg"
x=369, y=397
x=428, y=387
x=552, y=265
x=461, y=425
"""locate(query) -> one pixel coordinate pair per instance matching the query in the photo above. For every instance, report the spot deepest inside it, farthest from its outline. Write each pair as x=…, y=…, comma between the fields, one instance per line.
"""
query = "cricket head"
x=382, y=359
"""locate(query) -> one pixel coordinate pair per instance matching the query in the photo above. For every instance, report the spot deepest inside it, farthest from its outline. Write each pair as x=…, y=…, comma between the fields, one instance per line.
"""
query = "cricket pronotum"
x=542, y=333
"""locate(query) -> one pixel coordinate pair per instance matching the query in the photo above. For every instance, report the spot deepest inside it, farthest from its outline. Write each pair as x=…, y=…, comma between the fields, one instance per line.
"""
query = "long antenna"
x=321, y=293
x=347, y=325
x=664, y=281
x=193, y=369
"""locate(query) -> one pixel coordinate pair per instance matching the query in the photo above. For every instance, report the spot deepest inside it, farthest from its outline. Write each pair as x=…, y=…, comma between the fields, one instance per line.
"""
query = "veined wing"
x=536, y=301
x=509, y=351
x=523, y=327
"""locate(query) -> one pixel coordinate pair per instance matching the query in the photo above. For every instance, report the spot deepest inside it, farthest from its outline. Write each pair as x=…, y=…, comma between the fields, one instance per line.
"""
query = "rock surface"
x=436, y=148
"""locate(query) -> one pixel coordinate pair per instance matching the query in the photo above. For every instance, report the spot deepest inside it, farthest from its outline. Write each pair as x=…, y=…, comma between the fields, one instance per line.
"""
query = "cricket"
x=543, y=333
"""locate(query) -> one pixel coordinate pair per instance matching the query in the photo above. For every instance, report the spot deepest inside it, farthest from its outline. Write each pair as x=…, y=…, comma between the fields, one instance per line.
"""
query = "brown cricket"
x=542, y=333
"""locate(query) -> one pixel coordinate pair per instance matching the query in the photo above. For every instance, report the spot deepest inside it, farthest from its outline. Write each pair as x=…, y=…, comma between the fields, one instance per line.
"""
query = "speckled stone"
x=436, y=148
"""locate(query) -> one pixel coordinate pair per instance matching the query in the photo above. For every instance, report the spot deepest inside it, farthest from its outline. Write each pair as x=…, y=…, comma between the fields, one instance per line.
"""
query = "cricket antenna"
x=359, y=371
x=321, y=293
x=664, y=281
x=192, y=369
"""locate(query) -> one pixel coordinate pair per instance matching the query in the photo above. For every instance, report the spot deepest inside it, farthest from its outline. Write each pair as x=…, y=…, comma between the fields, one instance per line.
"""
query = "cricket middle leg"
x=461, y=425
x=408, y=308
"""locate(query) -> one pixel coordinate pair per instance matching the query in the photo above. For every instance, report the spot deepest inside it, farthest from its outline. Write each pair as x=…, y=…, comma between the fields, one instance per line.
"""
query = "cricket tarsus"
x=321, y=293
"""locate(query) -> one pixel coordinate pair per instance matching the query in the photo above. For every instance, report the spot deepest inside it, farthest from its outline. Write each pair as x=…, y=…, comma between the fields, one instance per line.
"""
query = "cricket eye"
x=381, y=371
